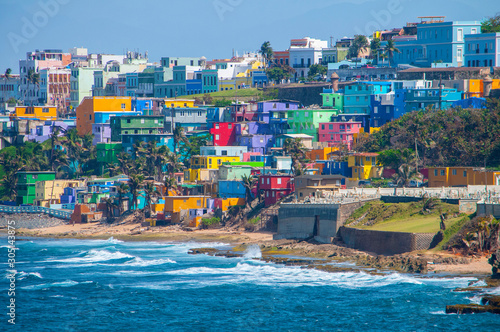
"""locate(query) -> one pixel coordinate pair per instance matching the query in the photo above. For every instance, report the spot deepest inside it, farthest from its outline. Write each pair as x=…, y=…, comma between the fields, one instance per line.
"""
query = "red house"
x=223, y=133
x=275, y=187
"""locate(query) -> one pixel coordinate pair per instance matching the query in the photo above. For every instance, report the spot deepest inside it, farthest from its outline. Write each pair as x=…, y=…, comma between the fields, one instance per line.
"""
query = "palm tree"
x=150, y=193
x=267, y=53
x=33, y=78
x=135, y=182
x=294, y=148
x=179, y=137
x=249, y=182
x=404, y=174
x=359, y=44
x=169, y=183
x=122, y=189
x=390, y=48
x=375, y=48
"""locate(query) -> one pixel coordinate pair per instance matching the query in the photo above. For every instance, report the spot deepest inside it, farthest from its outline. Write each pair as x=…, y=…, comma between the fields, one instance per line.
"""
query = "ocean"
x=110, y=285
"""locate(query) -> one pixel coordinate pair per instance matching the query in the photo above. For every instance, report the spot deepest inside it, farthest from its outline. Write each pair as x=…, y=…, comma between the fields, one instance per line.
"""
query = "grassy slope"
x=252, y=93
x=403, y=217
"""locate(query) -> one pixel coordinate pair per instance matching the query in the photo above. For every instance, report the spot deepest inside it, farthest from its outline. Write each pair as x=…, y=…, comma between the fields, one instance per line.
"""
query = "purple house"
x=256, y=143
x=265, y=107
x=43, y=132
x=101, y=132
x=70, y=193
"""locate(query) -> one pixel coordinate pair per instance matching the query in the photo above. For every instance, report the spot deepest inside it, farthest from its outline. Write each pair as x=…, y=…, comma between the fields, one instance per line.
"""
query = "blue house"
x=337, y=168
x=259, y=78
x=482, y=50
x=357, y=96
x=231, y=188
x=418, y=99
x=436, y=42
x=363, y=118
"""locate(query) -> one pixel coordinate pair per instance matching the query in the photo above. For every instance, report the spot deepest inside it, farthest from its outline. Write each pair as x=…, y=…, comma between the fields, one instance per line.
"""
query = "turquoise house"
x=357, y=96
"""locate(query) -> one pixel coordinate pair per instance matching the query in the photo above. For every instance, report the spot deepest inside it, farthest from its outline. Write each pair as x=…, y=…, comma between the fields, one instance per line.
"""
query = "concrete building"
x=223, y=151
x=188, y=118
x=26, y=185
x=55, y=88
x=307, y=121
x=49, y=192
x=305, y=52
x=437, y=43
x=482, y=50
x=10, y=88
x=336, y=133
x=462, y=177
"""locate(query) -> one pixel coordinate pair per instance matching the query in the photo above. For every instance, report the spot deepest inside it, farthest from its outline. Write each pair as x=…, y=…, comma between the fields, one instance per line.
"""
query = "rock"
x=492, y=300
x=471, y=309
x=494, y=261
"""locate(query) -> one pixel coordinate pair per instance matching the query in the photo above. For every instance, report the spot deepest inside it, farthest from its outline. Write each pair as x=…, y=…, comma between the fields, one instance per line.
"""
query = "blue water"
x=109, y=285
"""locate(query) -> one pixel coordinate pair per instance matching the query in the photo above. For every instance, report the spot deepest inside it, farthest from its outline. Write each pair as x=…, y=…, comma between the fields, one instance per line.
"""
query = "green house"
x=26, y=184
x=136, y=125
x=333, y=100
x=107, y=153
x=306, y=121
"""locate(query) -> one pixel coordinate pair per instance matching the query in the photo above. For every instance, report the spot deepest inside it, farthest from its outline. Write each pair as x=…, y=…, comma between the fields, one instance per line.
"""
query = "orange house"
x=320, y=154
x=462, y=176
x=99, y=110
x=36, y=112
x=476, y=87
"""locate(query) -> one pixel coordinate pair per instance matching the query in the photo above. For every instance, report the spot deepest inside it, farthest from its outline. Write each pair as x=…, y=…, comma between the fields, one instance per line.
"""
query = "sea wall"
x=306, y=94
x=321, y=221
x=385, y=243
x=484, y=209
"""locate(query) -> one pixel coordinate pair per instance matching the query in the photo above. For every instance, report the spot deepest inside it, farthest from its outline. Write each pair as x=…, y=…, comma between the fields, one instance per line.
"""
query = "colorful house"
x=264, y=108
x=275, y=187
x=26, y=185
x=336, y=133
x=462, y=176
x=418, y=99
x=211, y=162
x=50, y=191
x=357, y=96
x=233, y=151
x=320, y=154
x=179, y=206
x=364, y=166
x=179, y=103
x=137, y=124
x=223, y=133
x=35, y=112
x=310, y=185
x=230, y=172
x=333, y=100
x=231, y=188
x=306, y=121
x=100, y=110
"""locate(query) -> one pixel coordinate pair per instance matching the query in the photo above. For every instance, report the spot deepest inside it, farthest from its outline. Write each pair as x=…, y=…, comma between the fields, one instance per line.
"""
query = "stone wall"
x=462, y=73
x=484, y=209
x=385, y=243
x=379, y=73
x=298, y=221
x=306, y=94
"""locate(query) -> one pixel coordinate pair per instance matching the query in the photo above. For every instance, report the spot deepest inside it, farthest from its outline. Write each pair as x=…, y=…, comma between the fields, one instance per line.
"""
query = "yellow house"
x=211, y=162
x=179, y=103
x=201, y=174
x=226, y=203
x=102, y=108
x=49, y=192
x=36, y=112
x=364, y=166
x=462, y=176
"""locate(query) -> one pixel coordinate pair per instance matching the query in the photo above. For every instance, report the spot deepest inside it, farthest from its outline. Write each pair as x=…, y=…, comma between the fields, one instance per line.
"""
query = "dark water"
x=88, y=285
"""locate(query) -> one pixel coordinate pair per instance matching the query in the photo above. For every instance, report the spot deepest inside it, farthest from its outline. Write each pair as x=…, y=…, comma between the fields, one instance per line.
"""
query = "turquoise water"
x=109, y=285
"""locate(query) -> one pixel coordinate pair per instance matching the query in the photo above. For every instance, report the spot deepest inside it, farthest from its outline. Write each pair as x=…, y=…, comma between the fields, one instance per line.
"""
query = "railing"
x=35, y=209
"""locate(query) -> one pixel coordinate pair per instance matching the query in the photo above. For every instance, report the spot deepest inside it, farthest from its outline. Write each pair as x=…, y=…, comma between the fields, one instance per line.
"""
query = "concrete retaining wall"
x=385, y=243
x=484, y=209
x=298, y=221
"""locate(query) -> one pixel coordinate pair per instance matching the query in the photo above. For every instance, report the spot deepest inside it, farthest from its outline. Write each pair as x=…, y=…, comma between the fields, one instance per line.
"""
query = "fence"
x=36, y=209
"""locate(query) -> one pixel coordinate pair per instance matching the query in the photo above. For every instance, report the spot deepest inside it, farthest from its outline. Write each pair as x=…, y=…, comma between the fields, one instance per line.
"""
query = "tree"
x=316, y=70
x=375, y=48
x=150, y=193
x=179, y=137
x=249, y=182
x=6, y=77
x=294, y=148
x=135, y=182
x=122, y=189
x=169, y=183
x=359, y=45
x=390, y=48
x=267, y=53
x=491, y=24
x=276, y=74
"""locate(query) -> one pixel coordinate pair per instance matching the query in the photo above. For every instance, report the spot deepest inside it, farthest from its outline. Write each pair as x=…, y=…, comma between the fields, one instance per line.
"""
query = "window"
x=216, y=126
x=465, y=174
x=230, y=126
x=128, y=120
x=460, y=35
x=435, y=172
x=442, y=172
x=123, y=106
x=375, y=109
x=216, y=137
x=279, y=180
x=268, y=180
x=142, y=120
x=459, y=54
x=454, y=172
x=262, y=180
x=90, y=116
x=473, y=31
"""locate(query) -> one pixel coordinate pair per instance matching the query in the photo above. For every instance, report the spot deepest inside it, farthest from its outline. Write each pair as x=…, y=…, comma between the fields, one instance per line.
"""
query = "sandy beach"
x=437, y=262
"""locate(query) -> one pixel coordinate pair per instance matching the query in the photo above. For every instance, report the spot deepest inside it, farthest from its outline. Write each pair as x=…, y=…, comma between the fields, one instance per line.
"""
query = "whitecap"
x=66, y=283
x=96, y=256
x=140, y=262
x=252, y=251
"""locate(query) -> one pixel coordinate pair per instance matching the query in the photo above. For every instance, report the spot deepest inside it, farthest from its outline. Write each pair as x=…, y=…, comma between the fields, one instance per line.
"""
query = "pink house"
x=338, y=132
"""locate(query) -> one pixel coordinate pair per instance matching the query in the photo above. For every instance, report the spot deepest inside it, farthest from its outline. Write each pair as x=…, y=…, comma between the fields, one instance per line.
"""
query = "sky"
x=210, y=28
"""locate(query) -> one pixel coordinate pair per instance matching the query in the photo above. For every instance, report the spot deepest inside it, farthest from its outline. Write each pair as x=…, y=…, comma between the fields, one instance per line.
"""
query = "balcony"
x=301, y=65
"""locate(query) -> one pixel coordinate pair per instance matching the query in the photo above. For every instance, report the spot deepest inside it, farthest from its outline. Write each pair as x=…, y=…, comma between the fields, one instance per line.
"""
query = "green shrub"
x=254, y=221
x=210, y=221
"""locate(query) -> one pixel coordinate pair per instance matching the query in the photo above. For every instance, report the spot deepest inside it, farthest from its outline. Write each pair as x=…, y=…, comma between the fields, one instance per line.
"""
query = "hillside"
x=453, y=137
x=241, y=94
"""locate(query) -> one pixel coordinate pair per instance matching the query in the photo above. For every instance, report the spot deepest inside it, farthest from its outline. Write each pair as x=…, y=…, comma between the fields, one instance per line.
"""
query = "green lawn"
x=403, y=217
x=231, y=94
x=424, y=224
